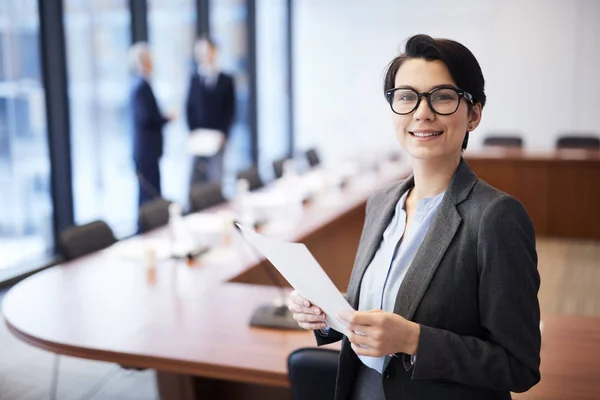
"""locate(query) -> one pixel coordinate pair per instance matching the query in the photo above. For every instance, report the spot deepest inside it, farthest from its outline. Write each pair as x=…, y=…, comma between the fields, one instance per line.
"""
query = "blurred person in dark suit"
x=148, y=122
x=210, y=109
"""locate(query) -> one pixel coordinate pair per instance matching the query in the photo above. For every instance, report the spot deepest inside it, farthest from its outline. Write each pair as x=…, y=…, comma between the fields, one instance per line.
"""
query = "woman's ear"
x=474, y=117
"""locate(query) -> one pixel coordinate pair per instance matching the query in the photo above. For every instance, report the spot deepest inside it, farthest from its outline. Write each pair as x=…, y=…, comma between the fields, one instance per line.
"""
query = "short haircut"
x=459, y=60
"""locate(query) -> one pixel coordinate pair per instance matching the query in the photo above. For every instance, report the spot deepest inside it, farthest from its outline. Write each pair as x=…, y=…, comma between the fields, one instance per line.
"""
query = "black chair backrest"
x=278, y=167
x=578, y=142
x=503, y=141
x=313, y=157
x=154, y=214
x=312, y=373
x=252, y=176
x=78, y=241
x=204, y=195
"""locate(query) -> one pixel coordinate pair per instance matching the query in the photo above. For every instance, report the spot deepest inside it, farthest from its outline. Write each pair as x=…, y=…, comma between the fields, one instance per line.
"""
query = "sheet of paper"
x=303, y=272
x=205, y=142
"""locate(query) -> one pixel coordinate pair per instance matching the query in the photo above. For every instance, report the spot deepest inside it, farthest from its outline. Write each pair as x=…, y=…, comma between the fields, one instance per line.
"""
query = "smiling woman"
x=447, y=72
x=441, y=124
x=445, y=279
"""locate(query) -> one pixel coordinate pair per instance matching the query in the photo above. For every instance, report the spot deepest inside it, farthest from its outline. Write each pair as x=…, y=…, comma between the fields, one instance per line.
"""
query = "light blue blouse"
x=383, y=277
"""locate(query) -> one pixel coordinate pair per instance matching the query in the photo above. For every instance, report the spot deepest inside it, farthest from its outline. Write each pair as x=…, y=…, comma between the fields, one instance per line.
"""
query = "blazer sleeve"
x=190, y=104
x=228, y=106
x=146, y=109
x=508, y=358
x=331, y=336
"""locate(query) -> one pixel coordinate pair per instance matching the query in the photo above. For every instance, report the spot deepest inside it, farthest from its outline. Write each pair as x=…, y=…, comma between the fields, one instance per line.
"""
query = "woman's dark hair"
x=459, y=60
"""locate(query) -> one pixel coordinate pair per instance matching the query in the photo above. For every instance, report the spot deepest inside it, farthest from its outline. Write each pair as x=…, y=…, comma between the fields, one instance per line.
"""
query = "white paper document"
x=205, y=142
x=303, y=272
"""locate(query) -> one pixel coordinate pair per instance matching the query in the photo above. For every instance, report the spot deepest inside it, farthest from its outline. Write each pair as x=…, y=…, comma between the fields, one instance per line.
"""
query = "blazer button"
x=388, y=373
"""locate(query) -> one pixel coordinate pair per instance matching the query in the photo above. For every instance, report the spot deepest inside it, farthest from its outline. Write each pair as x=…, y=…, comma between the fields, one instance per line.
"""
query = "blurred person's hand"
x=308, y=316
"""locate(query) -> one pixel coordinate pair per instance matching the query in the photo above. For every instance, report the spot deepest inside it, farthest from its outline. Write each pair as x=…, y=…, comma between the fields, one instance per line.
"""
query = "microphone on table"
x=270, y=315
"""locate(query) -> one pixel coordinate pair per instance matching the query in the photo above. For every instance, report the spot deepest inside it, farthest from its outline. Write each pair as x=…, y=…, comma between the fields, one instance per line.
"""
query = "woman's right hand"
x=307, y=315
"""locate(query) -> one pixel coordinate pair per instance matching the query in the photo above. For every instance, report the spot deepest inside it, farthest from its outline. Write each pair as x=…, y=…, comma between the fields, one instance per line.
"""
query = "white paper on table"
x=303, y=272
x=205, y=142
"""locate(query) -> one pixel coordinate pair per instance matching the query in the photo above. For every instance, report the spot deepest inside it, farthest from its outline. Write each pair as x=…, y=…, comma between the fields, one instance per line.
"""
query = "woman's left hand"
x=378, y=333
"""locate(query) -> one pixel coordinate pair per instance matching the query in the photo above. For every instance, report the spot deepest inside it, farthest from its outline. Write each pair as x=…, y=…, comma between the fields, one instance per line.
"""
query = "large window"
x=228, y=26
x=272, y=81
x=172, y=26
x=25, y=202
x=104, y=182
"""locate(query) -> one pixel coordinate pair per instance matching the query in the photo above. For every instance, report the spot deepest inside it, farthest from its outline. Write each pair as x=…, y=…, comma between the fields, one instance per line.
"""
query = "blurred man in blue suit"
x=148, y=122
x=210, y=105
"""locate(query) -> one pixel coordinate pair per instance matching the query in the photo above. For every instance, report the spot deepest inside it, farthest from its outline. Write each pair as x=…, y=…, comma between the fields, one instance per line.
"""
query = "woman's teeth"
x=424, y=135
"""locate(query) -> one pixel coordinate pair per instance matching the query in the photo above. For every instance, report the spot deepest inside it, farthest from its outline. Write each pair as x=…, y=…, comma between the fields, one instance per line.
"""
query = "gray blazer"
x=472, y=287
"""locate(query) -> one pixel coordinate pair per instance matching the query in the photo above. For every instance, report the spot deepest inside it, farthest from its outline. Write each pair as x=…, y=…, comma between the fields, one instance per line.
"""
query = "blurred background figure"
x=148, y=122
x=210, y=109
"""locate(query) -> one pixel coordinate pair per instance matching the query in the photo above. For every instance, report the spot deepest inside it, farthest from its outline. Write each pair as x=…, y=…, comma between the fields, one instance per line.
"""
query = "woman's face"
x=414, y=130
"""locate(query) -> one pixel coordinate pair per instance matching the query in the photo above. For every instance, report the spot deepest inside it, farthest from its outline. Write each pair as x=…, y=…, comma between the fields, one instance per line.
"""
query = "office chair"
x=312, y=373
x=578, y=142
x=278, y=167
x=78, y=241
x=204, y=195
x=313, y=157
x=252, y=176
x=504, y=141
x=154, y=214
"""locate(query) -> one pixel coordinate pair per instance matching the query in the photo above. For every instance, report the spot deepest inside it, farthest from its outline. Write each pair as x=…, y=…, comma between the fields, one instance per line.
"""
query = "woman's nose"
x=423, y=111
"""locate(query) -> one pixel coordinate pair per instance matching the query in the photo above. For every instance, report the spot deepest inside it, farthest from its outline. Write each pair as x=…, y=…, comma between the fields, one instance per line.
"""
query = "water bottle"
x=176, y=229
x=292, y=187
x=242, y=205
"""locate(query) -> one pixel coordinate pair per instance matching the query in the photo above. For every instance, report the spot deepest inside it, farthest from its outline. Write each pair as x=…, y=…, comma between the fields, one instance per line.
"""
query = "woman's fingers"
x=295, y=308
x=297, y=298
x=298, y=304
x=312, y=326
x=310, y=321
x=308, y=316
x=303, y=317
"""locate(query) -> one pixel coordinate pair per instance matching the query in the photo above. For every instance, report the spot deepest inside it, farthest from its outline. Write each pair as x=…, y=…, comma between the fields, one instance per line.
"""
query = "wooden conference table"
x=191, y=323
x=560, y=189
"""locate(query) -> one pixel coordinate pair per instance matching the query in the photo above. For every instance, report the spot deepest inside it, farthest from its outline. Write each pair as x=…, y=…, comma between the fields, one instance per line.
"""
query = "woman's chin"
x=423, y=153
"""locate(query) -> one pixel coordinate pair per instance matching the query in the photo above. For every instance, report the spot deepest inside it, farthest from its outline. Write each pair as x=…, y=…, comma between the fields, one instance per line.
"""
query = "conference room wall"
x=540, y=59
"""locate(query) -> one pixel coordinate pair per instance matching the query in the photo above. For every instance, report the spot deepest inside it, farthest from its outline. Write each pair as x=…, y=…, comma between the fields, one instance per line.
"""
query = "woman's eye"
x=406, y=97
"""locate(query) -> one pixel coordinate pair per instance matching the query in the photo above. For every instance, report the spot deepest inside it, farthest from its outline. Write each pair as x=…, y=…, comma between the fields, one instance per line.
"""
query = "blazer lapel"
x=436, y=242
x=380, y=213
x=434, y=246
x=428, y=257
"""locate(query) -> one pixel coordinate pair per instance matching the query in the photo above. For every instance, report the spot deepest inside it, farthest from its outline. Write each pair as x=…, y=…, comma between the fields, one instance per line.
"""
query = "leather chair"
x=154, y=214
x=313, y=157
x=278, y=167
x=252, y=176
x=78, y=241
x=504, y=141
x=205, y=195
x=578, y=142
x=312, y=373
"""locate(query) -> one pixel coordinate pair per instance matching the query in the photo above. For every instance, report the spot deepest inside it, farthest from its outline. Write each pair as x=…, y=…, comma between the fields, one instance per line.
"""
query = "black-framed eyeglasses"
x=443, y=100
